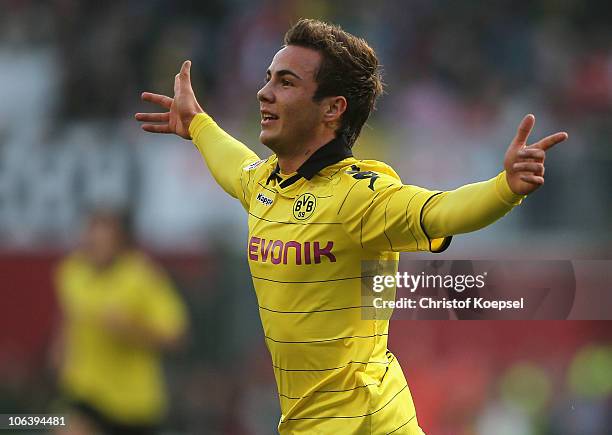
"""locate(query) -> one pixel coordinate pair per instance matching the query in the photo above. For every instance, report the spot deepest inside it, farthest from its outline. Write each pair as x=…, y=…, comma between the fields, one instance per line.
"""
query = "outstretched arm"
x=477, y=205
x=224, y=155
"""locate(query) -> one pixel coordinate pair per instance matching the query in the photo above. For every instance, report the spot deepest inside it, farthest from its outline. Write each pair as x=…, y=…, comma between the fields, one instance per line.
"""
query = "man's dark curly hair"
x=349, y=68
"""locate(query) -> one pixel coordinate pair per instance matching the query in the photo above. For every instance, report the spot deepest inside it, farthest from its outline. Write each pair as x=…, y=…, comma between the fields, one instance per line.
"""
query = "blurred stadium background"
x=460, y=75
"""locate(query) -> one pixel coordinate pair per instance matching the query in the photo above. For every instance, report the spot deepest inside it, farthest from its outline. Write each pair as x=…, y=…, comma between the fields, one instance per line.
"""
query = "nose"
x=265, y=94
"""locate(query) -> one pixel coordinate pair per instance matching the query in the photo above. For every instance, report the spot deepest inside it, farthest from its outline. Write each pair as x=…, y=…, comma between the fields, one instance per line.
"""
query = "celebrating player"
x=315, y=213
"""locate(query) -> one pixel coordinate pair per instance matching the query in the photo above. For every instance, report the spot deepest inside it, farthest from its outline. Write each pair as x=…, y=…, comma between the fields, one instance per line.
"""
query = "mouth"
x=268, y=118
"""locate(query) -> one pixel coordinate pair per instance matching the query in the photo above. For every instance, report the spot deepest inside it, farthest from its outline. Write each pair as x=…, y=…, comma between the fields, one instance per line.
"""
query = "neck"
x=291, y=162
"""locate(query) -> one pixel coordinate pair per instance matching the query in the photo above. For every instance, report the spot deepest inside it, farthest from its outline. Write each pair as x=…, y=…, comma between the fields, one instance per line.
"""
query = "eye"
x=266, y=80
x=286, y=82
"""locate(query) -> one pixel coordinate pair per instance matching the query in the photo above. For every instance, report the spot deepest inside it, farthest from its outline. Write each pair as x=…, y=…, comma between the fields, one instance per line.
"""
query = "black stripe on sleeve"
x=447, y=240
x=408, y=223
x=385, y=227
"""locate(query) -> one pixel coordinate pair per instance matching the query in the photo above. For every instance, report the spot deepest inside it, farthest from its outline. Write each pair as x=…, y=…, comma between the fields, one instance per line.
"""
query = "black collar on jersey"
x=332, y=152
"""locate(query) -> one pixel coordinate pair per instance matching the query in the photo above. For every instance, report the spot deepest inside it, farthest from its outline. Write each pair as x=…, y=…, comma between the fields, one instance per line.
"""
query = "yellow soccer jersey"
x=306, y=245
x=308, y=235
x=121, y=380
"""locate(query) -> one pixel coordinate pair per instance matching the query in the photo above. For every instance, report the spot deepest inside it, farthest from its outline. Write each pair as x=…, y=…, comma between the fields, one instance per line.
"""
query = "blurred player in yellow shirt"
x=120, y=312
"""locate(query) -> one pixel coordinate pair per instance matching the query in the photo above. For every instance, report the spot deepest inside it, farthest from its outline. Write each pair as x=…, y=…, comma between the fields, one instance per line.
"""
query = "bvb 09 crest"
x=304, y=206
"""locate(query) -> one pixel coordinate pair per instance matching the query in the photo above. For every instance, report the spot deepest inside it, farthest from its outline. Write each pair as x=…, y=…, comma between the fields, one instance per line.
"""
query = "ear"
x=334, y=108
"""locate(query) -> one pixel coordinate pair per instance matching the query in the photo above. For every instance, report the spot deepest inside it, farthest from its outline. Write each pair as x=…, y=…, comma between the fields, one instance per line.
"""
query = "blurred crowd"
x=459, y=77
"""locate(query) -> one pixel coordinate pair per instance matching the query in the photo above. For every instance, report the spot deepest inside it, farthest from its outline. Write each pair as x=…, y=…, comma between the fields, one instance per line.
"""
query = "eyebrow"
x=283, y=72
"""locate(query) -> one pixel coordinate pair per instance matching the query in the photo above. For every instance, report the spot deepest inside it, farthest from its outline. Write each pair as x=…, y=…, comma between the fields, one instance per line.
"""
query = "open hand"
x=524, y=164
x=181, y=109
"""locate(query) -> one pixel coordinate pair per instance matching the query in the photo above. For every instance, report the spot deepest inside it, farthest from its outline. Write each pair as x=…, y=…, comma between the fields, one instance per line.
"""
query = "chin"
x=269, y=140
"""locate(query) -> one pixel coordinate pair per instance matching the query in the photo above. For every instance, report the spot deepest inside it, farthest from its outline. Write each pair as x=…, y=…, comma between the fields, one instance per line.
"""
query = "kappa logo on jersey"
x=304, y=206
x=362, y=175
x=277, y=251
x=264, y=199
x=253, y=165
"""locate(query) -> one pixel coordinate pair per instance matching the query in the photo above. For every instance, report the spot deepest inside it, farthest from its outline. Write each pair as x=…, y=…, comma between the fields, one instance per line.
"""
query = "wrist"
x=198, y=122
x=505, y=192
x=188, y=119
